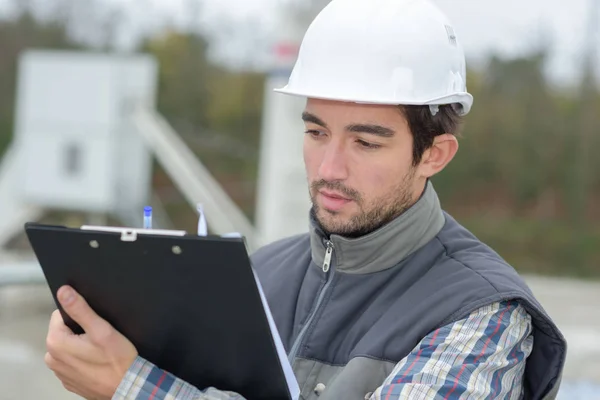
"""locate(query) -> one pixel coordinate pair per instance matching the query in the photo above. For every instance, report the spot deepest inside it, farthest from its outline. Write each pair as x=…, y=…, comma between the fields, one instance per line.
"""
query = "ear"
x=436, y=158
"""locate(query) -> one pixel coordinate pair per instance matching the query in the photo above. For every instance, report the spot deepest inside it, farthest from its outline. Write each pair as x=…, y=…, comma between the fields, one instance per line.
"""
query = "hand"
x=91, y=365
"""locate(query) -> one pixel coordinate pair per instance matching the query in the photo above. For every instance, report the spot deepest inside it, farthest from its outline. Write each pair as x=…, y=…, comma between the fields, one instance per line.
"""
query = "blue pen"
x=147, y=217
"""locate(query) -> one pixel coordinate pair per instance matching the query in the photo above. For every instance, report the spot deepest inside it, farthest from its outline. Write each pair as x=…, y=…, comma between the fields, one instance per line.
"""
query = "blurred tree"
x=183, y=77
x=522, y=180
x=217, y=111
x=512, y=136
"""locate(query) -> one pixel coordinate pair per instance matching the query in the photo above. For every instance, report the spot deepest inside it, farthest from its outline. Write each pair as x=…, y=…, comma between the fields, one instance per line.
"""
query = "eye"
x=367, y=145
x=314, y=133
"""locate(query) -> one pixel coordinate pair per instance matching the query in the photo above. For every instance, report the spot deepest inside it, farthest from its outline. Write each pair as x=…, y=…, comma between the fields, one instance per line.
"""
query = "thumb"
x=80, y=311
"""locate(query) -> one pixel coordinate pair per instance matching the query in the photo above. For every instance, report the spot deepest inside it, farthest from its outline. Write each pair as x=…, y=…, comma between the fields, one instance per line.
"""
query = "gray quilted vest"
x=348, y=310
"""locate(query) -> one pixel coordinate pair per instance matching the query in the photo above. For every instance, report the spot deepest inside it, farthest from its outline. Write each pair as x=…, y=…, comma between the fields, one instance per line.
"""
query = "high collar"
x=388, y=245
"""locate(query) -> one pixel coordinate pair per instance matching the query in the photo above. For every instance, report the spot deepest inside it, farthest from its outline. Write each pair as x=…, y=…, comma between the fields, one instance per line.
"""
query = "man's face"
x=359, y=165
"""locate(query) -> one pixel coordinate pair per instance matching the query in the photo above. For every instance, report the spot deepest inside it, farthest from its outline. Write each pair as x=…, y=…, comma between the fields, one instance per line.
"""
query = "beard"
x=371, y=216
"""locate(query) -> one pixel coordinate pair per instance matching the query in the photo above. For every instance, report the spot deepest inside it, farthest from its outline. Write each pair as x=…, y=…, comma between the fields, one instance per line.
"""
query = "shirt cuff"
x=135, y=383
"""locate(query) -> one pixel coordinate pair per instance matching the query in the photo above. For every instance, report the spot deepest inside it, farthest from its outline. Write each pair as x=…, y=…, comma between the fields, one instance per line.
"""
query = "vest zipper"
x=327, y=260
x=326, y=266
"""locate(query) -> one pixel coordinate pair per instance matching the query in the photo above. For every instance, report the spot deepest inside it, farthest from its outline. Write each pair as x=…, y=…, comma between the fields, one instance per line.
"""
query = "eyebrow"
x=372, y=129
x=376, y=130
x=308, y=117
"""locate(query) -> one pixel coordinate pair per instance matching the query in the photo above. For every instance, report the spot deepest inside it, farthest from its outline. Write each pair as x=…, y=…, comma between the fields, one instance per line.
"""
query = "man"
x=387, y=296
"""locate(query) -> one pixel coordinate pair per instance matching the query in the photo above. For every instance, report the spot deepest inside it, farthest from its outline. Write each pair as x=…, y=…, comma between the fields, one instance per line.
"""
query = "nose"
x=334, y=165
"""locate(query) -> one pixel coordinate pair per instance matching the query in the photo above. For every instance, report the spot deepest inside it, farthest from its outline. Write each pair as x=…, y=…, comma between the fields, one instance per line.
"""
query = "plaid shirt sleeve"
x=480, y=357
x=145, y=381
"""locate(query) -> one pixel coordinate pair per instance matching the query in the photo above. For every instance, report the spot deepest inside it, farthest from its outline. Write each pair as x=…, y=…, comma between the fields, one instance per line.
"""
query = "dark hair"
x=425, y=127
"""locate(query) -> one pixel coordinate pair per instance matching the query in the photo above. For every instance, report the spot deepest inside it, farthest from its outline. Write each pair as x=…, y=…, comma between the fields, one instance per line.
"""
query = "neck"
x=387, y=245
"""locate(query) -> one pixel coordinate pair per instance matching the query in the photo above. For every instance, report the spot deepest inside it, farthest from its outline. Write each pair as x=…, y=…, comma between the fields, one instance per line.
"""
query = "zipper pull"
x=327, y=260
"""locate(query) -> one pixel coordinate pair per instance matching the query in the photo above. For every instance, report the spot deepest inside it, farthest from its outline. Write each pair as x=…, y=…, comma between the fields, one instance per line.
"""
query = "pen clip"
x=202, y=228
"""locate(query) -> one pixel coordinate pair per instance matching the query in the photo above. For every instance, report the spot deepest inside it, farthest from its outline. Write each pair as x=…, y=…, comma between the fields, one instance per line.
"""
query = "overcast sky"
x=510, y=27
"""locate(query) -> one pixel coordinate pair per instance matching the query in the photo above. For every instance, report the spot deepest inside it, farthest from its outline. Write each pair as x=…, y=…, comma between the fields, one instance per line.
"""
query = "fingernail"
x=66, y=296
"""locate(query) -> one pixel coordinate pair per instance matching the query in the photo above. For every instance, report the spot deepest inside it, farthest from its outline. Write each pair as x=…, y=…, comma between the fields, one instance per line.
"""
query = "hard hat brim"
x=465, y=99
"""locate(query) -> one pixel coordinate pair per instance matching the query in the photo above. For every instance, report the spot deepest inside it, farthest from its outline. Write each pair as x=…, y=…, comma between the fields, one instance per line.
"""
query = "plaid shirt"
x=482, y=356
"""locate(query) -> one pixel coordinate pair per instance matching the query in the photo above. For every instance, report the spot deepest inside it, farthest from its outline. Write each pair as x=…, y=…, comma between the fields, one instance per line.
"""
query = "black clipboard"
x=190, y=304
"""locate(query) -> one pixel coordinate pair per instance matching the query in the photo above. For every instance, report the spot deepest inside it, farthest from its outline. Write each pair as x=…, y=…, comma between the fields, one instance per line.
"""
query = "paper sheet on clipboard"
x=283, y=359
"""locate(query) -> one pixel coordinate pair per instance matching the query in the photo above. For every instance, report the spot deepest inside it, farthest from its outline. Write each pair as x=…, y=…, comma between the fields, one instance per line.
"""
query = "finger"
x=57, y=324
x=50, y=361
x=65, y=379
x=75, y=388
x=58, y=336
x=69, y=349
x=57, y=365
x=68, y=383
x=79, y=310
x=71, y=381
x=70, y=387
x=62, y=370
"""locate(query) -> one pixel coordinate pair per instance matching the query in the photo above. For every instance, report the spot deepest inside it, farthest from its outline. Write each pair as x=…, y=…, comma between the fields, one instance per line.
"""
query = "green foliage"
x=547, y=247
x=521, y=179
x=184, y=76
x=218, y=112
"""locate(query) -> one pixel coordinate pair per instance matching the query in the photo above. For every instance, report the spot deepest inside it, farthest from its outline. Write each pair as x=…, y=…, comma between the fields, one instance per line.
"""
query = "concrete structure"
x=86, y=132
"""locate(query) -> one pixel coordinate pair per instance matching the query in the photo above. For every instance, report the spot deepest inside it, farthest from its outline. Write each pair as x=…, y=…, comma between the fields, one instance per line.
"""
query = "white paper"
x=283, y=359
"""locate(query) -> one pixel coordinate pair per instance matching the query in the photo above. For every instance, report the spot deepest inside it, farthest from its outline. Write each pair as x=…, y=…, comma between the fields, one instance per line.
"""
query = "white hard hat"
x=381, y=52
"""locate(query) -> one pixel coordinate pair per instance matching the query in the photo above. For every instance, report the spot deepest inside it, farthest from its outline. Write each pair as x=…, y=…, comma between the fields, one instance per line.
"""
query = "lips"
x=333, y=195
x=332, y=201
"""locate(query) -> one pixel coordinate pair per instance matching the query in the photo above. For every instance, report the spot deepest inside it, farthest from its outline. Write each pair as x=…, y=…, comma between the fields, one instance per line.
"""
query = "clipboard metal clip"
x=129, y=236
